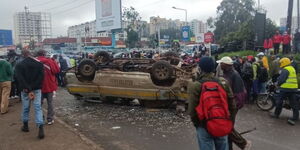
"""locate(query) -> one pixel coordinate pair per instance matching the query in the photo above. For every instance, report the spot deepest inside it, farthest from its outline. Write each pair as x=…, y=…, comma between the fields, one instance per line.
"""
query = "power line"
x=62, y=5
x=64, y=11
x=44, y=3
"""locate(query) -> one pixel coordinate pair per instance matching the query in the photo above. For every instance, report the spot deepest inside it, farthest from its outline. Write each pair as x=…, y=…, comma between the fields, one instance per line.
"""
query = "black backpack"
x=247, y=73
x=262, y=73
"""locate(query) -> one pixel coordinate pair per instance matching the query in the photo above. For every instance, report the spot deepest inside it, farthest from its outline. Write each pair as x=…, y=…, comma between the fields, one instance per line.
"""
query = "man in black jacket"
x=30, y=74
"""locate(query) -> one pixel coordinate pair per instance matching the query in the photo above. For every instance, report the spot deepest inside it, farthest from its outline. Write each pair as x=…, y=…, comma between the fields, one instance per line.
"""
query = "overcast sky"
x=71, y=12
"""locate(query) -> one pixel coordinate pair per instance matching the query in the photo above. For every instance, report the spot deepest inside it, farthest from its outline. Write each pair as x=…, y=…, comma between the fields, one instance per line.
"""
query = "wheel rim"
x=161, y=72
x=87, y=70
x=265, y=102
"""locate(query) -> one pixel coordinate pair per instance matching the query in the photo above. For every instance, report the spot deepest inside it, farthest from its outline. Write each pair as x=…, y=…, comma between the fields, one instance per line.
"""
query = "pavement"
x=58, y=136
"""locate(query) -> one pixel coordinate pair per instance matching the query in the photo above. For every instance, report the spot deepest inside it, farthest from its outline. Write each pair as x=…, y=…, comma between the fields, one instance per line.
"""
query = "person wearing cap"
x=205, y=140
x=239, y=91
x=288, y=85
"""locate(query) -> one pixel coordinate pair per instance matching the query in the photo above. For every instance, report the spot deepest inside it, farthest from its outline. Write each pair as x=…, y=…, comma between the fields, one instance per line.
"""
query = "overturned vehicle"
x=154, y=82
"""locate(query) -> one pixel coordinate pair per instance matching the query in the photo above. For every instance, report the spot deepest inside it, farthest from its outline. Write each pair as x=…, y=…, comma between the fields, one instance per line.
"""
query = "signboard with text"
x=108, y=15
x=185, y=33
x=208, y=37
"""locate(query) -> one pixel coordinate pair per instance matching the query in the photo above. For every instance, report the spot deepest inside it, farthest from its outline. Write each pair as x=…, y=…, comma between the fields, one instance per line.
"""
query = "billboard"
x=208, y=37
x=6, y=38
x=200, y=38
x=185, y=31
x=108, y=15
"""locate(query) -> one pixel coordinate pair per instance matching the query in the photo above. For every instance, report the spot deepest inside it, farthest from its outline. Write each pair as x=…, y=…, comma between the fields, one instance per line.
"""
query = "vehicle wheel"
x=101, y=57
x=265, y=102
x=172, y=57
x=87, y=69
x=161, y=71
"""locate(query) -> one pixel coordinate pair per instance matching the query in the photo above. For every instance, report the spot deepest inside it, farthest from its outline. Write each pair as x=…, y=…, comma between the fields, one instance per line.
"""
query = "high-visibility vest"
x=291, y=82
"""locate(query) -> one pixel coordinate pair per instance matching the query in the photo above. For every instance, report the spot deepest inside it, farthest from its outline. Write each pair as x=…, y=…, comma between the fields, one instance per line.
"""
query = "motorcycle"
x=266, y=101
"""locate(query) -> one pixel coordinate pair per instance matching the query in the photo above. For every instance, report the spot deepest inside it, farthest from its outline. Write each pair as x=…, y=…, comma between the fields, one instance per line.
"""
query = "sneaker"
x=50, y=122
x=41, y=133
x=248, y=145
x=291, y=122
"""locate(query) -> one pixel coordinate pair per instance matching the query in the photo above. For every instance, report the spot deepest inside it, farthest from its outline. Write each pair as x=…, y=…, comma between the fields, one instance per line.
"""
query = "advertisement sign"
x=208, y=37
x=185, y=31
x=200, y=38
x=108, y=15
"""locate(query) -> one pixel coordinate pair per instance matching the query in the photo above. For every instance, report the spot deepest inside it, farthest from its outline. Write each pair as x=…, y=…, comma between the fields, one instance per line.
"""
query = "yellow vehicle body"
x=132, y=85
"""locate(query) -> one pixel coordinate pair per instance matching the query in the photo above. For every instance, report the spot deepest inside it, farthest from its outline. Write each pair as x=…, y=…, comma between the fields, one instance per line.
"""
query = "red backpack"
x=213, y=109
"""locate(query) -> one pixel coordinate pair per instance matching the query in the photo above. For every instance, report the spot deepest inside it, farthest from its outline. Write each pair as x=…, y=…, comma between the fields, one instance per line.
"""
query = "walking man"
x=30, y=74
x=286, y=43
x=6, y=75
x=205, y=140
x=49, y=83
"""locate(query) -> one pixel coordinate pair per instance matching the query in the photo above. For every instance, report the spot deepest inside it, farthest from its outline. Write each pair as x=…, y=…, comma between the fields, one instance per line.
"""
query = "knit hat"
x=207, y=64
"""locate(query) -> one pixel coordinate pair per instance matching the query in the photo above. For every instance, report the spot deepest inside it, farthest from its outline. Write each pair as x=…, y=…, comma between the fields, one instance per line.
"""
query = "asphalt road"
x=119, y=127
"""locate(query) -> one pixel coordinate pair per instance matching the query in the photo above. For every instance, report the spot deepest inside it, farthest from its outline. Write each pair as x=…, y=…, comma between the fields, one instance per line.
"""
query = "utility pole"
x=298, y=15
x=289, y=17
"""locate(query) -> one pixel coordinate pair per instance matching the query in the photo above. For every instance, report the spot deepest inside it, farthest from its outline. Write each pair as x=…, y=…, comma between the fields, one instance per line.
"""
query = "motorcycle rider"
x=287, y=81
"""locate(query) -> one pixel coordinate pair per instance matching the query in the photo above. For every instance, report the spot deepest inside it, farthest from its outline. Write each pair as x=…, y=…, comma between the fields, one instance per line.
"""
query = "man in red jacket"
x=286, y=43
x=277, y=39
x=49, y=83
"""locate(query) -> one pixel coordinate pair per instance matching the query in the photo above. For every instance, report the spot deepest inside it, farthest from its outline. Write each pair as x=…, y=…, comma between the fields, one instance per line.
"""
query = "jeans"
x=37, y=107
x=293, y=103
x=50, y=110
x=208, y=142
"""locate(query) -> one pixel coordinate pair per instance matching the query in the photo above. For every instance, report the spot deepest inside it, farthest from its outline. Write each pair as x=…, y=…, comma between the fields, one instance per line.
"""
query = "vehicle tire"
x=265, y=102
x=162, y=71
x=170, y=54
x=86, y=70
x=172, y=57
x=101, y=57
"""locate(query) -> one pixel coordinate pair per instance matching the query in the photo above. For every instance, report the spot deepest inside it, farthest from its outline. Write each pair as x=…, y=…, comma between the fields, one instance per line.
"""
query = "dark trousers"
x=236, y=138
x=293, y=103
x=50, y=110
x=276, y=48
x=286, y=48
x=248, y=86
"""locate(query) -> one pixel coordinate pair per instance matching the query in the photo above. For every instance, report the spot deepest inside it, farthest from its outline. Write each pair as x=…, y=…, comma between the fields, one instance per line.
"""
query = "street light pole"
x=185, y=10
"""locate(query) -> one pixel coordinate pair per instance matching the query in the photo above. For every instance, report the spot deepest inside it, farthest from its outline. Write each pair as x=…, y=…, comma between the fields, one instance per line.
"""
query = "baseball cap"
x=226, y=60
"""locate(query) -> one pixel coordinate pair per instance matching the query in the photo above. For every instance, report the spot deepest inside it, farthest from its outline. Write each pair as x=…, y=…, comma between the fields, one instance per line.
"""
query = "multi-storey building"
x=163, y=23
x=198, y=27
x=32, y=26
x=283, y=22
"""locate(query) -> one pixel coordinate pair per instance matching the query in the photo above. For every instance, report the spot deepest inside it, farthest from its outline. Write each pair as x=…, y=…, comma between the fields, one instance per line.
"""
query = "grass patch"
x=239, y=53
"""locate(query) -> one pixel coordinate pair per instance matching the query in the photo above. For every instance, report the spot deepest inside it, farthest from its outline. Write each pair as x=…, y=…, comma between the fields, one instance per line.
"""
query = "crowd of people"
x=34, y=78
x=242, y=79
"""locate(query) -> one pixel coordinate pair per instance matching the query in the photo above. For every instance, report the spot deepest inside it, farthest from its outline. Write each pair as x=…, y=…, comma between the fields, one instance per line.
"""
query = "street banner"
x=185, y=31
x=200, y=38
x=208, y=37
x=108, y=15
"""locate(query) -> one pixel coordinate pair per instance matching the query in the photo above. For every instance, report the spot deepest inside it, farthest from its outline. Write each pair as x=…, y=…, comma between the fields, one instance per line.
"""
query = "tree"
x=231, y=14
x=132, y=19
x=271, y=28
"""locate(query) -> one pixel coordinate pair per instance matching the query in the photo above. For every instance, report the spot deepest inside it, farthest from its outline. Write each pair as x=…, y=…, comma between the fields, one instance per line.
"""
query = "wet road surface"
x=120, y=127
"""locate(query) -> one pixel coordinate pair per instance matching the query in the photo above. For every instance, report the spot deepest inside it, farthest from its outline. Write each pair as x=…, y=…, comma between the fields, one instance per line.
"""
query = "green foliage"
x=172, y=33
x=232, y=14
x=132, y=19
x=239, y=53
x=271, y=28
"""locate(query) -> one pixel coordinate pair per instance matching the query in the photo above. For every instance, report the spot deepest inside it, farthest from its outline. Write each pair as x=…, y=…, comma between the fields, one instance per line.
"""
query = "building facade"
x=283, y=22
x=6, y=38
x=163, y=23
x=198, y=27
x=32, y=26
